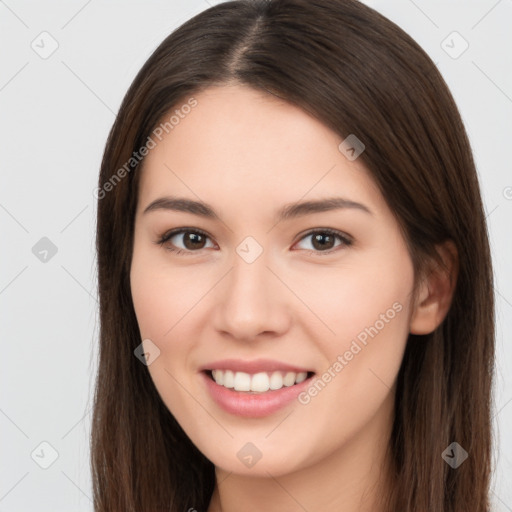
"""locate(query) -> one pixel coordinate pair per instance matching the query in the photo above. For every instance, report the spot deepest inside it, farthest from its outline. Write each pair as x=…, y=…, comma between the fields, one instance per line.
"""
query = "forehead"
x=250, y=148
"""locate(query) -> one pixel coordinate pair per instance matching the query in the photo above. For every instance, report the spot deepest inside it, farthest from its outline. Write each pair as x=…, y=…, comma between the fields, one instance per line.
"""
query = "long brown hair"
x=357, y=72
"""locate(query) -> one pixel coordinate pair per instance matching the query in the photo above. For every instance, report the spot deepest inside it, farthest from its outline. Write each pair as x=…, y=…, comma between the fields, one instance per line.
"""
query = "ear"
x=435, y=292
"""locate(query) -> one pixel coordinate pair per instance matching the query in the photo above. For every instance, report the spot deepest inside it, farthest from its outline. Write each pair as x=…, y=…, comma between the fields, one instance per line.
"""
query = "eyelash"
x=167, y=236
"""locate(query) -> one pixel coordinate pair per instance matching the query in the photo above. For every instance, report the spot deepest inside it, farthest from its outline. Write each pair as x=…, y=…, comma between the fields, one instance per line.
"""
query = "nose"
x=252, y=301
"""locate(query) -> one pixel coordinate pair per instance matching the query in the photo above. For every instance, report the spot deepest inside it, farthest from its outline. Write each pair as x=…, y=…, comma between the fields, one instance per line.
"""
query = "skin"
x=247, y=154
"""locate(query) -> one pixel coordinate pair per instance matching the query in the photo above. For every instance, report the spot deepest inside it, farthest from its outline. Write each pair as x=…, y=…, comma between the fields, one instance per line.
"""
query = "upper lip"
x=254, y=366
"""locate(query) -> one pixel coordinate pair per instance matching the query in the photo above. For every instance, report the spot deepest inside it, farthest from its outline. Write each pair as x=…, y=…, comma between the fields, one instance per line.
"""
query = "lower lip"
x=253, y=405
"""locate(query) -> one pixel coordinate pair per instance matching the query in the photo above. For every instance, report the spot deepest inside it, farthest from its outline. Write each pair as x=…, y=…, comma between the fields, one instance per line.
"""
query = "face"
x=301, y=317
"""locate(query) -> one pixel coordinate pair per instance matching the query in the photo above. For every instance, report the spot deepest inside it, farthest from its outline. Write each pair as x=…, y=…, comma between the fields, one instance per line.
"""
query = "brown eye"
x=191, y=240
x=324, y=241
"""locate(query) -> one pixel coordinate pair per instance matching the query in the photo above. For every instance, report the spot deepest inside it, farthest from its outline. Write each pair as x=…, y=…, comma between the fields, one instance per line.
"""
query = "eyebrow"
x=293, y=210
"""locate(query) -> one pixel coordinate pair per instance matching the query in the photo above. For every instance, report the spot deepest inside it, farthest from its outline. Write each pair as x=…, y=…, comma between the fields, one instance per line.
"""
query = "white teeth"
x=289, y=379
x=276, y=380
x=218, y=376
x=229, y=379
x=301, y=377
x=242, y=381
x=259, y=382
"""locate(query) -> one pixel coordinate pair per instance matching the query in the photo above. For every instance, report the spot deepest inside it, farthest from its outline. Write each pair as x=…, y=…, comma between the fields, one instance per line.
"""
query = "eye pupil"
x=317, y=238
x=194, y=238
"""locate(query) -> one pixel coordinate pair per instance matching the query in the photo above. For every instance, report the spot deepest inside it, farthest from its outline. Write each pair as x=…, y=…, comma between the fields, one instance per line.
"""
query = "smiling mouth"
x=261, y=382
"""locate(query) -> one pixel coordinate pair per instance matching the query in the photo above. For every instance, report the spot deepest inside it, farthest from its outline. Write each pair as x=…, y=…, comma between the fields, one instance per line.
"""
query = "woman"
x=294, y=273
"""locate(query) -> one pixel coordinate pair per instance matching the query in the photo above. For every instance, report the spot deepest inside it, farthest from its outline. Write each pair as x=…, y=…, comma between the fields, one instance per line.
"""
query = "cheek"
x=367, y=310
x=162, y=295
x=165, y=300
x=159, y=308
x=365, y=301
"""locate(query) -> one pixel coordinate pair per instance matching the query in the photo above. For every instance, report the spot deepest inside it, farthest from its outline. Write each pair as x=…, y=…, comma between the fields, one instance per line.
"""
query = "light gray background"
x=55, y=114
